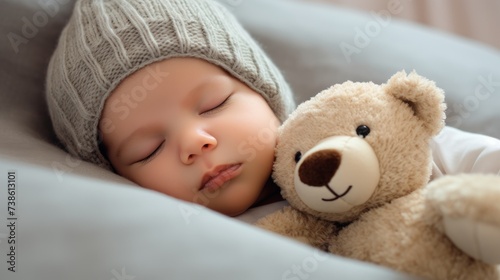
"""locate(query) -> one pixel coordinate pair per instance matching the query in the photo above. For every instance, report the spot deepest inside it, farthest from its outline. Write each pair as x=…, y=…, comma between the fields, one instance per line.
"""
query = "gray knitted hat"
x=107, y=40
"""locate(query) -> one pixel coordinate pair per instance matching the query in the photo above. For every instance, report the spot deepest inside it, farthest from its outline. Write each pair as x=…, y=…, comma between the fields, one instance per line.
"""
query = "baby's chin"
x=235, y=207
x=235, y=214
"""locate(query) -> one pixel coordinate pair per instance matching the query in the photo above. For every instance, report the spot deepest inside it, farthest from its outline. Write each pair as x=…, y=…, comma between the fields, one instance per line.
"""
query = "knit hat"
x=107, y=40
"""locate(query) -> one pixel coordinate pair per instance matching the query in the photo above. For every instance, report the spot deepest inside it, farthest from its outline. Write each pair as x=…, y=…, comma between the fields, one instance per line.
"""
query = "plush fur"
x=354, y=163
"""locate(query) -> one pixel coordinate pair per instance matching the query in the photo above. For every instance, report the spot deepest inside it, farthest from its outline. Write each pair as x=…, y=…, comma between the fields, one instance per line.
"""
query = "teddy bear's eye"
x=362, y=131
x=298, y=155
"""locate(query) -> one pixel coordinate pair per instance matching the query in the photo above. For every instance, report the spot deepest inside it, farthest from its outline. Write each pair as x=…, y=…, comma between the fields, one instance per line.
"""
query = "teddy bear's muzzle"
x=337, y=174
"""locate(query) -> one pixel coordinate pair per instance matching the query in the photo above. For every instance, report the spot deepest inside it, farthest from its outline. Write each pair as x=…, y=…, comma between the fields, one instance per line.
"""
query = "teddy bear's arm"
x=466, y=210
x=299, y=226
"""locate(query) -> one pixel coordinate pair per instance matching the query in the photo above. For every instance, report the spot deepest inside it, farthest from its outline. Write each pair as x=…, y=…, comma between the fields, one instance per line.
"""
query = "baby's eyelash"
x=153, y=154
x=218, y=107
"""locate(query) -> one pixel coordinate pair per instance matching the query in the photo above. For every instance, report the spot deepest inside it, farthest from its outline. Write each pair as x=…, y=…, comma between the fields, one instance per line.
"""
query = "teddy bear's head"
x=356, y=146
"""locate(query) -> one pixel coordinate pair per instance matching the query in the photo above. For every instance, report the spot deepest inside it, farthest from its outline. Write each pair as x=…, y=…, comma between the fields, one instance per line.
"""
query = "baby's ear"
x=422, y=96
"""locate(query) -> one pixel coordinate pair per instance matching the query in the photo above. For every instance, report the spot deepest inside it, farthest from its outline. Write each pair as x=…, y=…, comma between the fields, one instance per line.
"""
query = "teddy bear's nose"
x=318, y=168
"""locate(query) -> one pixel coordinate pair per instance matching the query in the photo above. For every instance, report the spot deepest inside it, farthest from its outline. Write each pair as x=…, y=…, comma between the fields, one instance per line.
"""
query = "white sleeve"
x=456, y=151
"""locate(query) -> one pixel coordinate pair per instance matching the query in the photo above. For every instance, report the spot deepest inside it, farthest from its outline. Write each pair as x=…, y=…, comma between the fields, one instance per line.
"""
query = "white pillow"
x=75, y=227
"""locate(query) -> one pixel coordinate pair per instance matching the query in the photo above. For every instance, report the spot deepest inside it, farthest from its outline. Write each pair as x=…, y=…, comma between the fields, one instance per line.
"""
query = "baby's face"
x=186, y=128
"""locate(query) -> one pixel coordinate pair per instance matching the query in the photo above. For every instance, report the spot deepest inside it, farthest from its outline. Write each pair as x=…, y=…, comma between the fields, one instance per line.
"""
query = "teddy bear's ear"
x=422, y=96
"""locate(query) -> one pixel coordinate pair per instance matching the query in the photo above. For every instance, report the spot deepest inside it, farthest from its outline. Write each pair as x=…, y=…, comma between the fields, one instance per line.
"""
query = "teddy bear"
x=354, y=163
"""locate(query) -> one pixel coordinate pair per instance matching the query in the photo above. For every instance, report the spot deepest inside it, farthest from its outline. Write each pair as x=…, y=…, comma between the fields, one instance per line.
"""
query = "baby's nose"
x=195, y=143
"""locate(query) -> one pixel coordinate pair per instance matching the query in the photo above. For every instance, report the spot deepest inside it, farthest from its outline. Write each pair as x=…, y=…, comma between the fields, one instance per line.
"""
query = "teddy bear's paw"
x=470, y=213
x=302, y=227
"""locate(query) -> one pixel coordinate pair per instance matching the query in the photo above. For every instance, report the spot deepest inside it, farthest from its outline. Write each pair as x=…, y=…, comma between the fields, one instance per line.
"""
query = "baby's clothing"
x=454, y=151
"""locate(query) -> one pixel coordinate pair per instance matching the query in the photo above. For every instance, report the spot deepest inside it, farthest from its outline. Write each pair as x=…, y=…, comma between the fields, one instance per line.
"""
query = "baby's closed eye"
x=219, y=105
x=152, y=154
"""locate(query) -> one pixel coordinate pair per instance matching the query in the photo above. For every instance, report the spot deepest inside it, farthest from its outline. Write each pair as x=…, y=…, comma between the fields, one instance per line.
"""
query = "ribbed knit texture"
x=107, y=40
